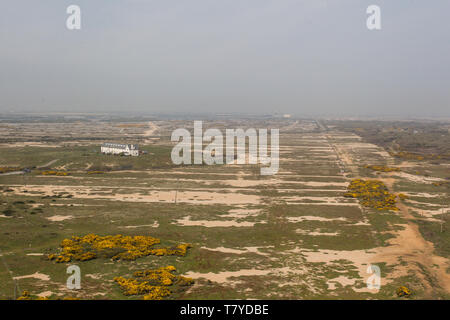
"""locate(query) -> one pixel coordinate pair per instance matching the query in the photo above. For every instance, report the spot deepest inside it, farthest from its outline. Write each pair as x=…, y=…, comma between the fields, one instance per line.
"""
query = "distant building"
x=117, y=148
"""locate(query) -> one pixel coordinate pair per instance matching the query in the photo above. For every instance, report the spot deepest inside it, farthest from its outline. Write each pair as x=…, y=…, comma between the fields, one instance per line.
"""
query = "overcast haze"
x=311, y=57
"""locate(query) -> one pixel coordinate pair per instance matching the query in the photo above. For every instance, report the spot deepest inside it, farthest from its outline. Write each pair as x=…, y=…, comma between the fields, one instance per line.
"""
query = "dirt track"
x=409, y=244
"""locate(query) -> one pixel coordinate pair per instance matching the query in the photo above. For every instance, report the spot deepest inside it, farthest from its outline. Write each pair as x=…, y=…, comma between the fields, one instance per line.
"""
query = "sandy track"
x=409, y=244
x=152, y=129
x=47, y=164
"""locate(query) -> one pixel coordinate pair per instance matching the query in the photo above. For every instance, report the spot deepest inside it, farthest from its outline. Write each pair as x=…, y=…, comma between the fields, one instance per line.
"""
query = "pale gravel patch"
x=365, y=222
x=215, y=223
x=238, y=251
x=225, y=250
x=36, y=205
x=241, y=213
x=29, y=144
x=222, y=277
x=416, y=178
x=58, y=218
x=313, y=218
x=344, y=281
x=154, y=225
x=429, y=214
x=424, y=194
x=325, y=200
x=323, y=184
x=75, y=205
x=197, y=197
x=36, y=275
x=410, y=201
x=316, y=233
x=346, y=204
x=45, y=294
x=359, y=258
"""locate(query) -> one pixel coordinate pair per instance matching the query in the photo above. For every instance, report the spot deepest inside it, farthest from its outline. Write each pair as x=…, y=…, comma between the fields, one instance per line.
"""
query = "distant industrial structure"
x=121, y=149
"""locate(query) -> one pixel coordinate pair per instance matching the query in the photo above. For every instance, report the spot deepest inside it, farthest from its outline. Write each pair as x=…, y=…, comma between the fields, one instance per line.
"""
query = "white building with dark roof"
x=118, y=148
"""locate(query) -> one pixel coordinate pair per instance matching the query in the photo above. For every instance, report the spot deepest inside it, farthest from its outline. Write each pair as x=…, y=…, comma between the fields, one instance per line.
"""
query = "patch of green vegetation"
x=431, y=231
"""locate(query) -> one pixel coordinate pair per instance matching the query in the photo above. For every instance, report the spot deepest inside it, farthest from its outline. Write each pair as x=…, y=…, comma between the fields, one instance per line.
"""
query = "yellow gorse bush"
x=95, y=172
x=414, y=156
x=403, y=291
x=54, y=173
x=9, y=169
x=372, y=194
x=382, y=168
x=27, y=296
x=117, y=247
x=402, y=196
x=152, y=283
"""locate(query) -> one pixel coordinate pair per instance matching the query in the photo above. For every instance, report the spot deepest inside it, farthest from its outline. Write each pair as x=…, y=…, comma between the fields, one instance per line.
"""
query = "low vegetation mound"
x=372, y=194
x=117, y=247
x=153, y=283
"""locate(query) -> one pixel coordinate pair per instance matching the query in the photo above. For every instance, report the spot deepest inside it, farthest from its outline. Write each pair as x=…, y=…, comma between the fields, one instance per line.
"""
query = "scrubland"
x=340, y=202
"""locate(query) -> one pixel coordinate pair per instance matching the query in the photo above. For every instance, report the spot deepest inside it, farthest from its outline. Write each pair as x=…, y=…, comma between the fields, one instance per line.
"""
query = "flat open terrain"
x=289, y=236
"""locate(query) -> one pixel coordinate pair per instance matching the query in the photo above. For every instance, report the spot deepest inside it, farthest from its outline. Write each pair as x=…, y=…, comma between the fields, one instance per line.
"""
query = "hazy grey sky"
x=306, y=57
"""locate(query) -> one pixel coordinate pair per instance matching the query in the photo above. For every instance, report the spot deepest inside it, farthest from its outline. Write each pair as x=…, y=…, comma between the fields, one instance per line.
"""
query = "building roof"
x=120, y=146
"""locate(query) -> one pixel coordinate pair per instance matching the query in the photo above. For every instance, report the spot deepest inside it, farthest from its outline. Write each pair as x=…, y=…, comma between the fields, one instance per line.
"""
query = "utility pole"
x=15, y=289
x=24, y=178
x=176, y=192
